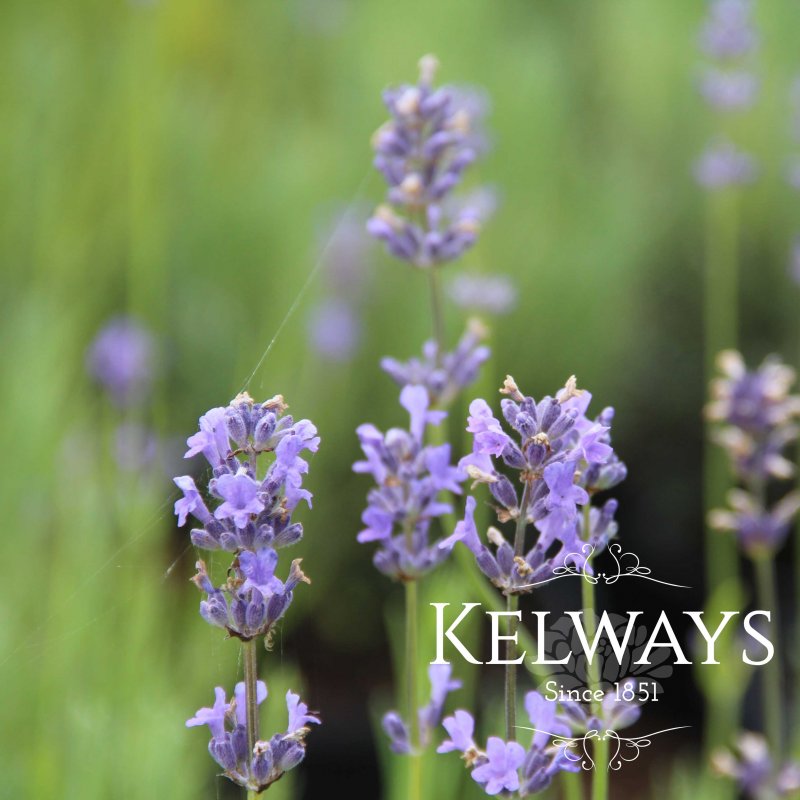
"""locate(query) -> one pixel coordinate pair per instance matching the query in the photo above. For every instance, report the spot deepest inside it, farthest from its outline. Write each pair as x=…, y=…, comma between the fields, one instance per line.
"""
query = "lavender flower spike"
x=444, y=375
x=422, y=152
x=561, y=458
x=430, y=715
x=269, y=760
x=505, y=767
x=409, y=476
x=121, y=359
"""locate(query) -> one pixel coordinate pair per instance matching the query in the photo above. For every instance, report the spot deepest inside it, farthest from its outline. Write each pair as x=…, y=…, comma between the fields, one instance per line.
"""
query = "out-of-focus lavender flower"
x=758, y=530
x=616, y=713
x=508, y=766
x=422, y=152
x=490, y=294
x=723, y=165
x=334, y=323
x=561, y=458
x=430, y=715
x=755, y=412
x=409, y=476
x=755, y=415
x=729, y=91
x=794, y=256
x=729, y=32
x=443, y=378
x=135, y=447
x=752, y=767
x=121, y=360
x=269, y=760
x=334, y=329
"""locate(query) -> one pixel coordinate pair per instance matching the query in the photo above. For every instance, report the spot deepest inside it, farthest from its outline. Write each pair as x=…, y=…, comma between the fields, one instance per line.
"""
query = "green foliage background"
x=174, y=160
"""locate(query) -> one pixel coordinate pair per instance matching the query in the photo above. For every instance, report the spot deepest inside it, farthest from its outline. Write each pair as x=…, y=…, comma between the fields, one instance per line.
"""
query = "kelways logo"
x=602, y=670
x=756, y=652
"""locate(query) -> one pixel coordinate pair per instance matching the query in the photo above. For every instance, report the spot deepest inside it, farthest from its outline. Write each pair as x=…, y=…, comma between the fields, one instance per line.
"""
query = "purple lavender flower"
x=445, y=377
x=121, y=359
x=615, y=713
x=488, y=294
x=752, y=767
x=758, y=530
x=562, y=458
x=729, y=31
x=722, y=165
x=508, y=766
x=269, y=760
x=755, y=415
x=422, y=152
x=334, y=329
x=499, y=771
x=253, y=512
x=409, y=477
x=729, y=90
x=430, y=715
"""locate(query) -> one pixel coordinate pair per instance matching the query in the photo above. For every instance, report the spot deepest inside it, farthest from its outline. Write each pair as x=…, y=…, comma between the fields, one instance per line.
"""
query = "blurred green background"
x=177, y=160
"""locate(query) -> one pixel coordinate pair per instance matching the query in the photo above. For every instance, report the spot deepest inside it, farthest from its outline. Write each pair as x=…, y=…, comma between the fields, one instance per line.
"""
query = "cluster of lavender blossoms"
x=561, y=458
x=728, y=37
x=122, y=360
x=429, y=716
x=755, y=415
x=422, y=151
x=443, y=374
x=409, y=476
x=753, y=769
x=268, y=761
x=507, y=767
x=250, y=516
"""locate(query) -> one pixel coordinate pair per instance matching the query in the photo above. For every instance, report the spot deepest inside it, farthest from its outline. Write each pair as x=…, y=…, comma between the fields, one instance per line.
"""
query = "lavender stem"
x=720, y=332
x=250, y=678
x=771, y=679
x=437, y=311
x=600, y=771
x=512, y=605
x=412, y=647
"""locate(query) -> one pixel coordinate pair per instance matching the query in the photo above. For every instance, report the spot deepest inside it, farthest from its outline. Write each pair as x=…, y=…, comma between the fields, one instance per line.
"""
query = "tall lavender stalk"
x=422, y=151
x=728, y=86
x=755, y=415
x=253, y=450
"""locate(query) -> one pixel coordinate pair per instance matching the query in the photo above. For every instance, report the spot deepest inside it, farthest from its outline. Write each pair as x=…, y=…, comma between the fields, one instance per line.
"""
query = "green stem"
x=251, y=690
x=720, y=320
x=771, y=677
x=412, y=646
x=600, y=771
x=571, y=783
x=512, y=605
x=251, y=696
x=437, y=311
